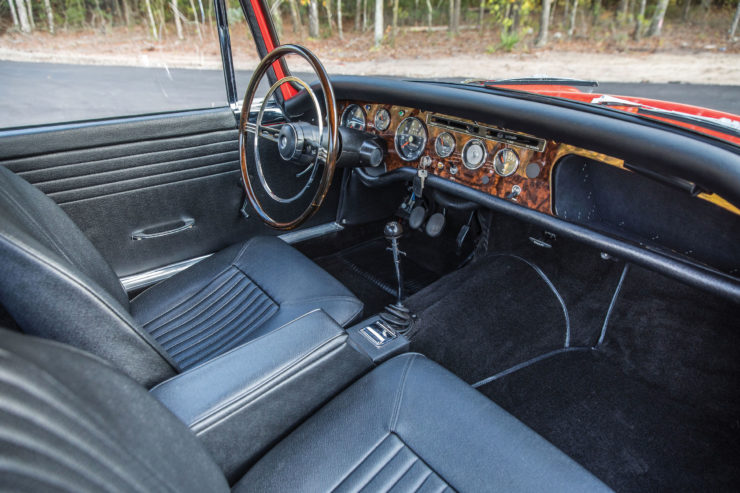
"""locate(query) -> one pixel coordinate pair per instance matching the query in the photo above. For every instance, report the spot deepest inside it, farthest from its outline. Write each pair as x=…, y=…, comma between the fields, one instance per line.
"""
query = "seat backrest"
x=56, y=285
x=70, y=422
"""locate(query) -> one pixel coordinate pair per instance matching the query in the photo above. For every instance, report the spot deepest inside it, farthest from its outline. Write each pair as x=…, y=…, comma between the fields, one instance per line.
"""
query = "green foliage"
x=509, y=40
x=74, y=13
x=235, y=15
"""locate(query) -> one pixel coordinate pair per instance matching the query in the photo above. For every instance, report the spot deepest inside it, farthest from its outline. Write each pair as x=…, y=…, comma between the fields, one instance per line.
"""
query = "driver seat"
x=56, y=285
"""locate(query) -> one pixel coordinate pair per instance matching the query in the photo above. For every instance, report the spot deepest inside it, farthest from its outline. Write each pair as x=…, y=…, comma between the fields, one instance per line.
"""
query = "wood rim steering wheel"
x=329, y=157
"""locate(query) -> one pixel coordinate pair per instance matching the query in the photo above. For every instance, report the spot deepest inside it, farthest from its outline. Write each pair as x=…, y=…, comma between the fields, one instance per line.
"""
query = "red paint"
x=573, y=93
x=287, y=89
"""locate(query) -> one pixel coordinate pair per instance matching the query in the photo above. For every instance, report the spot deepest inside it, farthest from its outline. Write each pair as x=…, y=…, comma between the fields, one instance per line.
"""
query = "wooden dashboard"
x=530, y=185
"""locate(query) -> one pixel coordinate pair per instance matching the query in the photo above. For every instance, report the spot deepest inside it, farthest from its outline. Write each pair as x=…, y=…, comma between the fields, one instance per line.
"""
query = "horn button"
x=290, y=142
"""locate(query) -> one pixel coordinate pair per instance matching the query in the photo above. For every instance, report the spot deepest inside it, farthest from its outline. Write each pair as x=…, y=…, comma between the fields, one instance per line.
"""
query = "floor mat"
x=367, y=270
x=468, y=322
x=630, y=434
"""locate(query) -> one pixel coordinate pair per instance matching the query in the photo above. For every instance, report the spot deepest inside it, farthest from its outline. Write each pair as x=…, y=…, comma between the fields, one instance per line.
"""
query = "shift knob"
x=392, y=230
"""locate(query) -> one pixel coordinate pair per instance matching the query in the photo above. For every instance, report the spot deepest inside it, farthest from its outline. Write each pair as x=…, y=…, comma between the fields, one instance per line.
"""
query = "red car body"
x=575, y=94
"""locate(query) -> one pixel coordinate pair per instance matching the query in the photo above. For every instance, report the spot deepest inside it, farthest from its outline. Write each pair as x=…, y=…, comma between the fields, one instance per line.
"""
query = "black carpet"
x=655, y=407
x=467, y=321
x=367, y=270
x=630, y=434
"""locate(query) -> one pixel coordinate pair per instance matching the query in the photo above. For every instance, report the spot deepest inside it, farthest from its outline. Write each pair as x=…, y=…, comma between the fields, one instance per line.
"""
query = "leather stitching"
x=94, y=296
x=399, y=393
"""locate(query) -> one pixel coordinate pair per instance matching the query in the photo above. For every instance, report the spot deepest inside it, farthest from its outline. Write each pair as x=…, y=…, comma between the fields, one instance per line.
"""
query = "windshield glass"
x=642, y=53
x=101, y=58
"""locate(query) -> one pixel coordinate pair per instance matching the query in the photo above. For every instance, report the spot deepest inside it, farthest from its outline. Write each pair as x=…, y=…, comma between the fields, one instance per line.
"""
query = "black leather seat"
x=71, y=423
x=55, y=284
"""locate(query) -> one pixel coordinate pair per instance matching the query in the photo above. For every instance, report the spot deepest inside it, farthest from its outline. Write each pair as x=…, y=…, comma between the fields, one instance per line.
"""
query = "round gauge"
x=382, y=119
x=474, y=154
x=354, y=117
x=411, y=138
x=505, y=162
x=445, y=144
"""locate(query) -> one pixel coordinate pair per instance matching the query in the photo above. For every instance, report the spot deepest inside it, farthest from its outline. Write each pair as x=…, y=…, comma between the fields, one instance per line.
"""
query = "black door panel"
x=148, y=173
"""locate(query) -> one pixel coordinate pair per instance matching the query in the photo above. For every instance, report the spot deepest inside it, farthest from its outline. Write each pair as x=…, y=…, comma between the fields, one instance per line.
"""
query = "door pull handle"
x=151, y=232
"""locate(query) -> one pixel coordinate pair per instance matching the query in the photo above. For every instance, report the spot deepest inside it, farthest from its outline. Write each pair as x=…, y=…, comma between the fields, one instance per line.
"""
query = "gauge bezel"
x=464, y=152
x=454, y=144
x=375, y=119
x=352, y=107
x=423, y=144
x=496, y=156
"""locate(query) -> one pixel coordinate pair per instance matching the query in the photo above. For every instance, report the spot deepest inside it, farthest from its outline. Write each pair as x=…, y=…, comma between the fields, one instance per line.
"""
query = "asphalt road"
x=36, y=93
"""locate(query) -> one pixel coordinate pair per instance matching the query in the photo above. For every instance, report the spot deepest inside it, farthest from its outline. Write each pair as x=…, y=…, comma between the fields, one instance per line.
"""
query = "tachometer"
x=354, y=117
x=505, y=162
x=445, y=144
x=382, y=119
x=411, y=138
x=474, y=154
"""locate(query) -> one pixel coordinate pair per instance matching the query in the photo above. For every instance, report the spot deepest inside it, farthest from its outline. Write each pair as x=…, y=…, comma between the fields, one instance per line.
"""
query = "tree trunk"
x=295, y=17
x=195, y=20
x=656, y=24
x=151, y=18
x=13, y=13
x=364, y=15
x=517, y=16
x=394, y=28
x=327, y=7
x=49, y=15
x=378, y=22
x=451, y=26
x=277, y=18
x=22, y=16
x=566, y=12
x=457, y=16
x=639, y=21
x=572, y=23
x=481, y=11
x=687, y=9
x=544, y=21
x=178, y=22
x=30, y=14
x=430, y=10
x=339, y=19
x=358, y=15
x=313, y=19
x=126, y=12
x=596, y=9
x=733, y=27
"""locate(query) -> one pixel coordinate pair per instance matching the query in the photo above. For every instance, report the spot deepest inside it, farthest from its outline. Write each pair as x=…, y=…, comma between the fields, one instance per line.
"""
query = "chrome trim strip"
x=138, y=281
x=540, y=147
x=310, y=233
x=148, y=278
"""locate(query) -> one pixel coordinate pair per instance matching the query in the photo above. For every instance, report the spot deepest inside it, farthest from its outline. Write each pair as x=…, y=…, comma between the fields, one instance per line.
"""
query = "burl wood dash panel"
x=535, y=192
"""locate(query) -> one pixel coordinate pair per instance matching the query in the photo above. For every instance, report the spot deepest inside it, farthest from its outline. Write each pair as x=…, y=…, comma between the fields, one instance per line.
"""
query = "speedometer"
x=354, y=117
x=411, y=138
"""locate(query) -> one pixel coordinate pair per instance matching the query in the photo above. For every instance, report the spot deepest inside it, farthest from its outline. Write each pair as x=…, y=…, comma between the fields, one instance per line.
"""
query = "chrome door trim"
x=148, y=278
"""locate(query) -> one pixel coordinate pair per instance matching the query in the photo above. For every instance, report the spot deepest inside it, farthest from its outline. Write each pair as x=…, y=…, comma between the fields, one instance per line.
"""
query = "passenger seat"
x=71, y=422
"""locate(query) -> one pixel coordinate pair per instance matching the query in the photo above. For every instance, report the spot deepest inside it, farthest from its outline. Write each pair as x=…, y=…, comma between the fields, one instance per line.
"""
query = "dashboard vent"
x=441, y=121
x=490, y=133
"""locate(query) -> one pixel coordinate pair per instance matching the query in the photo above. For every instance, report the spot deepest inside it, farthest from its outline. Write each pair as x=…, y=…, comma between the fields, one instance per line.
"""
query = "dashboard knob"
x=453, y=170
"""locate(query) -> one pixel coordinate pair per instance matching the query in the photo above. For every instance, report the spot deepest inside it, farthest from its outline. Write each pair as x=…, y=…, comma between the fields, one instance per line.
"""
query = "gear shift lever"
x=396, y=315
x=393, y=232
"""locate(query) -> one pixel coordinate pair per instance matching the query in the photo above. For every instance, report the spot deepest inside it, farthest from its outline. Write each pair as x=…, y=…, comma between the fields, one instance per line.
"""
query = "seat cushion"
x=237, y=295
x=410, y=425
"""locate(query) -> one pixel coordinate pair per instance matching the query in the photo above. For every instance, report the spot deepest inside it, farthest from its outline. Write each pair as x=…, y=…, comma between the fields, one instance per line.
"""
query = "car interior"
x=358, y=283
